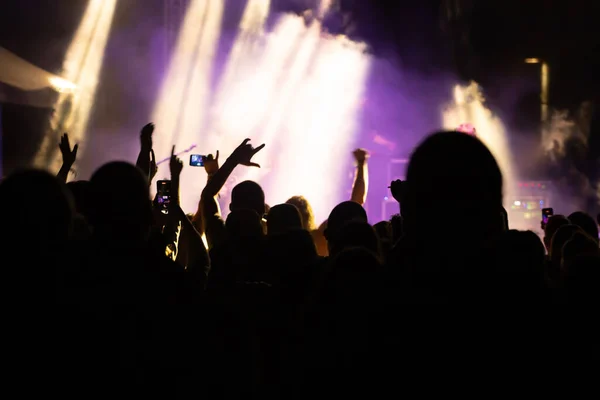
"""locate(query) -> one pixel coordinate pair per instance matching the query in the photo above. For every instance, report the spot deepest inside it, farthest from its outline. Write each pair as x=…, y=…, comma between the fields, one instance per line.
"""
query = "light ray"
x=81, y=68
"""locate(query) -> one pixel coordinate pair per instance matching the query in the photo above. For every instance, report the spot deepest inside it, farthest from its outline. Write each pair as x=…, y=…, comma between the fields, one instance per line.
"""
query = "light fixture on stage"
x=62, y=85
x=79, y=81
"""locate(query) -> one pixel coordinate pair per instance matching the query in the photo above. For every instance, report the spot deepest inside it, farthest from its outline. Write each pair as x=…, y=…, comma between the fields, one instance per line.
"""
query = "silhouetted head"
x=244, y=223
x=384, y=230
x=342, y=214
x=554, y=222
x=579, y=245
x=248, y=195
x=282, y=218
x=291, y=248
x=37, y=212
x=453, y=181
x=585, y=222
x=120, y=201
x=355, y=234
x=562, y=236
x=520, y=261
x=353, y=277
x=581, y=281
x=306, y=211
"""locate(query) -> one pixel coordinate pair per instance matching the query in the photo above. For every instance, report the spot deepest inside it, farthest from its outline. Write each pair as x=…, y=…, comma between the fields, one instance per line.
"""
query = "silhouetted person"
x=385, y=232
x=397, y=228
x=562, y=236
x=37, y=218
x=244, y=223
x=248, y=195
x=283, y=217
x=585, y=222
x=553, y=224
x=581, y=284
x=81, y=194
x=452, y=212
x=306, y=211
x=343, y=328
x=580, y=244
x=519, y=274
x=240, y=258
x=37, y=283
x=442, y=183
x=356, y=234
x=341, y=215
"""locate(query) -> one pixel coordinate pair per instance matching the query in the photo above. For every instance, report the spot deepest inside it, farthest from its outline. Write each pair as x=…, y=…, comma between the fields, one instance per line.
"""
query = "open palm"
x=68, y=155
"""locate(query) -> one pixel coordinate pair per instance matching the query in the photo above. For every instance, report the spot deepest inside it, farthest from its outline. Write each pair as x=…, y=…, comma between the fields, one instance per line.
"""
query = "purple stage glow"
x=294, y=88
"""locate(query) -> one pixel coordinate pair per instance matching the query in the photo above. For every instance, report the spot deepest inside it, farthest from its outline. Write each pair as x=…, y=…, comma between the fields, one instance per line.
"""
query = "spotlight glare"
x=321, y=125
x=181, y=110
x=61, y=85
x=81, y=69
x=490, y=129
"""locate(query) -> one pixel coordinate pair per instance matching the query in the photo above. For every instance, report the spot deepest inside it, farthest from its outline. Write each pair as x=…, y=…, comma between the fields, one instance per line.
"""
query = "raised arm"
x=172, y=227
x=197, y=256
x=146, y=160
x=240, y=156
x=198, y=261
x=68, y=156
x=361, y=179
x=208, y=206
x=211, y=166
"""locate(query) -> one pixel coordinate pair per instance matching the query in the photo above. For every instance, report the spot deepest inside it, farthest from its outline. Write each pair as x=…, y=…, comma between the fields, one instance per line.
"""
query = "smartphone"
x=197, y=160
x=546, y=214
x=163, y=195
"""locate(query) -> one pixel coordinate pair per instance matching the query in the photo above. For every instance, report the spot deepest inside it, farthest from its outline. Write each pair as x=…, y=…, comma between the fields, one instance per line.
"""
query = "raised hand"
x=361, y=155
x=153, y=166
x=146, y=136
x=68, y=155
x=211, y=164
x=244, y=153
x=175, y=164
x=398, y=189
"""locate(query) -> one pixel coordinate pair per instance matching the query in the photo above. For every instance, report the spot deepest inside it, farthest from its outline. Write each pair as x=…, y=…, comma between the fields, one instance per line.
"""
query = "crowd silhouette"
x=117, y=294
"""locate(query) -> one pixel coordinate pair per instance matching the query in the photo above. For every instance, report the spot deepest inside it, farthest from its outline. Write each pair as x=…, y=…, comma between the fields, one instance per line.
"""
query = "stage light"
x=80, y=72
x=298, y=90
x=62, y=85
x=294, y=88
x=245, y=51
x=182, y=110
x=289, y=30
x=469, y=108
x=321, y=124
x=532, y=61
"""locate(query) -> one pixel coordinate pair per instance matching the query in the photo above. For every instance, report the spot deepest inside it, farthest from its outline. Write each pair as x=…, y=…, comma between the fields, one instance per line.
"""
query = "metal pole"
x=544, y=96
x=1, y=153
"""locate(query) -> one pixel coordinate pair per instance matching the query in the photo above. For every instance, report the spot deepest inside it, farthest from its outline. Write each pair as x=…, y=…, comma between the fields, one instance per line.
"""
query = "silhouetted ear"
x=325, y=233
x=230, y=207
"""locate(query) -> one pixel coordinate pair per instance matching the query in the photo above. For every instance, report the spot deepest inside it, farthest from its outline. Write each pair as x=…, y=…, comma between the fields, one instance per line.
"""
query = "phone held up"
x=197, y=160
x=163, y=195
x=546, y=214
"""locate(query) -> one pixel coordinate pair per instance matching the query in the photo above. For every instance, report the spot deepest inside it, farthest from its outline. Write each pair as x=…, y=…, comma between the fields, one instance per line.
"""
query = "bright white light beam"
x=181, y=111
x=81, y=68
